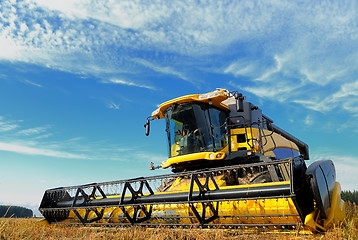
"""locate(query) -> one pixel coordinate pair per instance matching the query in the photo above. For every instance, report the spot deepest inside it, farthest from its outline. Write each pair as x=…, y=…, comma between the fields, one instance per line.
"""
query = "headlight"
x=165, y=164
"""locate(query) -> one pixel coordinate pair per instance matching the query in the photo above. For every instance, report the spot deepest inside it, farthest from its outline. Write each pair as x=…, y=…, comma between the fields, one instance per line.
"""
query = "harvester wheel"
x=258, y=177
x=263, y=177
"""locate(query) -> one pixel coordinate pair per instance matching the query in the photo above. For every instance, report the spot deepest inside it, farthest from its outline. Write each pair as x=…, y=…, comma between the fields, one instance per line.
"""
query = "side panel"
x=323, y=179
x=262, y=141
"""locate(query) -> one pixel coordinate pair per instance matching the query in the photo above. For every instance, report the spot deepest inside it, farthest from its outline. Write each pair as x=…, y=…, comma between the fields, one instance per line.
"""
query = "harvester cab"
x=221, y=125
x=232, y=168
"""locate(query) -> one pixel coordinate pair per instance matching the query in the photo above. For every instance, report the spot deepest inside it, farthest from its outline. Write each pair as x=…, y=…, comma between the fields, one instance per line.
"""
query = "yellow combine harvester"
x=232, y=168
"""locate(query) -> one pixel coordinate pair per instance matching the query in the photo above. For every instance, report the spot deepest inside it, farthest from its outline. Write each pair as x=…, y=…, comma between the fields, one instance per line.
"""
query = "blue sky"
x=78, y=79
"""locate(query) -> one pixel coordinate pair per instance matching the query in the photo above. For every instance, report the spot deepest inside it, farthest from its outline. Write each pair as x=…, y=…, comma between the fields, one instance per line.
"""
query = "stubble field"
x=12, y=228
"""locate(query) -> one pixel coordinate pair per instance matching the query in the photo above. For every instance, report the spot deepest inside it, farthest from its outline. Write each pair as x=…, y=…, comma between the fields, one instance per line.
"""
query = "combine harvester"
x=232, y=168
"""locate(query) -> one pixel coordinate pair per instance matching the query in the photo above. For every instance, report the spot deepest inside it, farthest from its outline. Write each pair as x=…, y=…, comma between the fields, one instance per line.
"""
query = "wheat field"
x=17, y=228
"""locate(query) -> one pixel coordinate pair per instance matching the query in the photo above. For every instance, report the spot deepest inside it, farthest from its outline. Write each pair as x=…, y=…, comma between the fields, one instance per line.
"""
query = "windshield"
x=195, y=127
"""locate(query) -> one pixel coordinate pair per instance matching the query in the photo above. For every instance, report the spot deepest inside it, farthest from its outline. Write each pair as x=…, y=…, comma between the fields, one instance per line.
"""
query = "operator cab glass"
x=195, y=127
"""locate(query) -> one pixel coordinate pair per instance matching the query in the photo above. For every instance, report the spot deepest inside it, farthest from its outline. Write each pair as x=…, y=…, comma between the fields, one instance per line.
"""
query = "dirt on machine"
x=232, y=168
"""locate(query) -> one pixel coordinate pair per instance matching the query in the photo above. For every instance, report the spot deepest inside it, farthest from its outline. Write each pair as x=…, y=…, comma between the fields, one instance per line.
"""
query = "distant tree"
x=15, y=212
x=350, y=196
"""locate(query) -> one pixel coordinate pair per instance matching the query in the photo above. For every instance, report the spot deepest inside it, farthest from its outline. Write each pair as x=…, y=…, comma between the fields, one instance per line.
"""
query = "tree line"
x=15, y=212
x=350, y=196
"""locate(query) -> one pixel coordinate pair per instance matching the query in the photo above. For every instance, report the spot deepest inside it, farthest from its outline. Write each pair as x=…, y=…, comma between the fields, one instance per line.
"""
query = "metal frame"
x=199, y=198
x=137, y=208
x=203, y=188
x=81, y=194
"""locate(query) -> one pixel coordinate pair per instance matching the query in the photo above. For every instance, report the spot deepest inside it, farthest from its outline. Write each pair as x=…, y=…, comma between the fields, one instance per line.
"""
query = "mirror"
x=239, y=102
x=147, y=127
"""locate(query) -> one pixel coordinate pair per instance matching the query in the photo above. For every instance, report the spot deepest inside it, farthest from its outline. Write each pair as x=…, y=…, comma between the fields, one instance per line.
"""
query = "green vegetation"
x=350, y=196
x=15, y=212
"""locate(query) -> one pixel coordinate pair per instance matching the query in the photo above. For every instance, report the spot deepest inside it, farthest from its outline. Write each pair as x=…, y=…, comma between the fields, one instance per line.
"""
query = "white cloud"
x=303, y=74
x=61, y=28
x=33, y=131
x=254, y=68
x=286, y=54
x=7, y=125
x=38, y=151
x=16, y=138
x=346, y=97
x=127, y=82
x=4, y=127
x=279, y=91
x=184, y=27
x=347, y=90
x=113, y=105
x=244, y=67
x=319, y=105
x=32, y=83
x=37, y=141
x=167, y=22
x=308, y=120
x=9, y=50
x=125, y=14
x=311, y=63
x=160, y=69
x=277, y=68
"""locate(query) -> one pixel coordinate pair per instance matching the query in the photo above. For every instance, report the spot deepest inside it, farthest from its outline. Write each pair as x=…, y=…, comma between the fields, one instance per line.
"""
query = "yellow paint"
x=268, y=139
x=236, y=212
x=193, y=157
x=313, y=221
x=250, y=211
x=215, y=101
x=43, y=222
x=337, y=211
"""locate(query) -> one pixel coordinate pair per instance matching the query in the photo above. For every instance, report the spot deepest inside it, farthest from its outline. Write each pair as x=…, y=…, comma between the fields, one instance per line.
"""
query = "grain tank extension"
x=231, y=168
